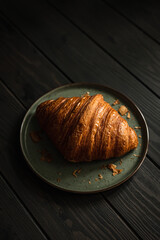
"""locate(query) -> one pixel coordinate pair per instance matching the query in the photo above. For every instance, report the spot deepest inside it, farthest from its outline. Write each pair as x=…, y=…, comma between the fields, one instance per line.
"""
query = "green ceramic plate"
x=58, y=172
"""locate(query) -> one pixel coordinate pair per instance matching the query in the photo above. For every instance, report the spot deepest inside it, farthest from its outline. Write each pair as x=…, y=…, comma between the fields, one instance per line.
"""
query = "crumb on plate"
x=58, y=180
x=103, y=166
x=123, y=110
x=46, y=156
x=128, y=115
x=114, y=170
x=76, y=171
x=86, y=94
x=100, y=176
x=35, y=136
x=116, y=102
x=137, y=127
x=135, y=155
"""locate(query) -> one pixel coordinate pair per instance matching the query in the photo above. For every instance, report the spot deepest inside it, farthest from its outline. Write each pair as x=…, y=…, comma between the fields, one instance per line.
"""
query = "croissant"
x=86, y=128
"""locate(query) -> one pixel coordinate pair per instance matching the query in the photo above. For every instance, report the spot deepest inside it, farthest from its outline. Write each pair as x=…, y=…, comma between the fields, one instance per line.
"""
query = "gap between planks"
x=122, y=218
x=23, y=205
x=132, y=22
x=38, y=225
x=50, y=61
x=31, y=42
x=101, y=47
x=24, y=107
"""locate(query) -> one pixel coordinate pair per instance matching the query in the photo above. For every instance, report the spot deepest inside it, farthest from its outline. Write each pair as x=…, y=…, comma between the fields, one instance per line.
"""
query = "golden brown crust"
x=86, y=128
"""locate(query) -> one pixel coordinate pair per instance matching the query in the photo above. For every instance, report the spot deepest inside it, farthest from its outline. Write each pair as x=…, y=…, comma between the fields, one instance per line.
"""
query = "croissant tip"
x=81, y=124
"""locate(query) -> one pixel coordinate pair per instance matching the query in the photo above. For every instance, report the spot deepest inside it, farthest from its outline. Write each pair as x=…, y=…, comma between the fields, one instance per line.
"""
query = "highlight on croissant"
x=86, y=128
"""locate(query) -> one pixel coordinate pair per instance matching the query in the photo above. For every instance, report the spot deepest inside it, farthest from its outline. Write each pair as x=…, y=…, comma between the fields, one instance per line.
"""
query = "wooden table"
x=46, y=44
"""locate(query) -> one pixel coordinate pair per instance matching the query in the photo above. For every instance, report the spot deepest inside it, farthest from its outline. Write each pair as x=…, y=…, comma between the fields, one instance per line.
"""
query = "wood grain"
x=127, y=44
x=145, y=16
x=71, y=56
x=23, y=68
x=138, y=201
x=61, y=215
x=16, y=223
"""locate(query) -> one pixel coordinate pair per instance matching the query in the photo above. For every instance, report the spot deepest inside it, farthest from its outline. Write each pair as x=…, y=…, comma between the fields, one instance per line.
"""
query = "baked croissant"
x=86, y=128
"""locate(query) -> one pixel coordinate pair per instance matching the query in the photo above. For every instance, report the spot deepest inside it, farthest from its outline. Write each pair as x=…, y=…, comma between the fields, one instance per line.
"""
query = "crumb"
x=76, y=171
x=86, y=94
x=96, y=179
x=116, y=102
x=46, y=156
x=114, y=170
x=79, y=170
x=122, y=110
x=120, y=162
x=137, y=127
x=140, y=136
x=58, y=180
x=100, y=176
x=119, y=170
x=129, y=115
x=103, y=166
x=111, y=166
x=89, y=182
x=135, y=155
x=35, y=136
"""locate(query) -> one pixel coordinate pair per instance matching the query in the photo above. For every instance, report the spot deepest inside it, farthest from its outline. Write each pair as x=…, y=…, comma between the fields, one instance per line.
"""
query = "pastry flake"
x=123, y=110
x=114, y=169
x=116, y=102
x=35, y=136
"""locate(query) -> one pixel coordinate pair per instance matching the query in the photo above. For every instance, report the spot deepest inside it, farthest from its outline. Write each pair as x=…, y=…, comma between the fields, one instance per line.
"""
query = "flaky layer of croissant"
x=86, y=128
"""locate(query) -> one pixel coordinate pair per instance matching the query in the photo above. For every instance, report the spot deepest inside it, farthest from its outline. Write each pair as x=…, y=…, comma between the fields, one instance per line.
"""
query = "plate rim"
x=93, y=85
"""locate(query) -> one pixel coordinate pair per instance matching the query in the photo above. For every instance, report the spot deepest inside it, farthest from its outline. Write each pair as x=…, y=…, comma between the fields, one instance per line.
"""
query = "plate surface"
x=58, y=171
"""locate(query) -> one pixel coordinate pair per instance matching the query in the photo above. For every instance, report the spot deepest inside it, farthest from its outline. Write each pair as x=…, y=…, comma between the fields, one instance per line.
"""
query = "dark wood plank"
x=61, y=215
x=132, y=48
x=139, y=201
x=16, y=223
x=66, y=46
x=24, y=69
x=146, y=15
